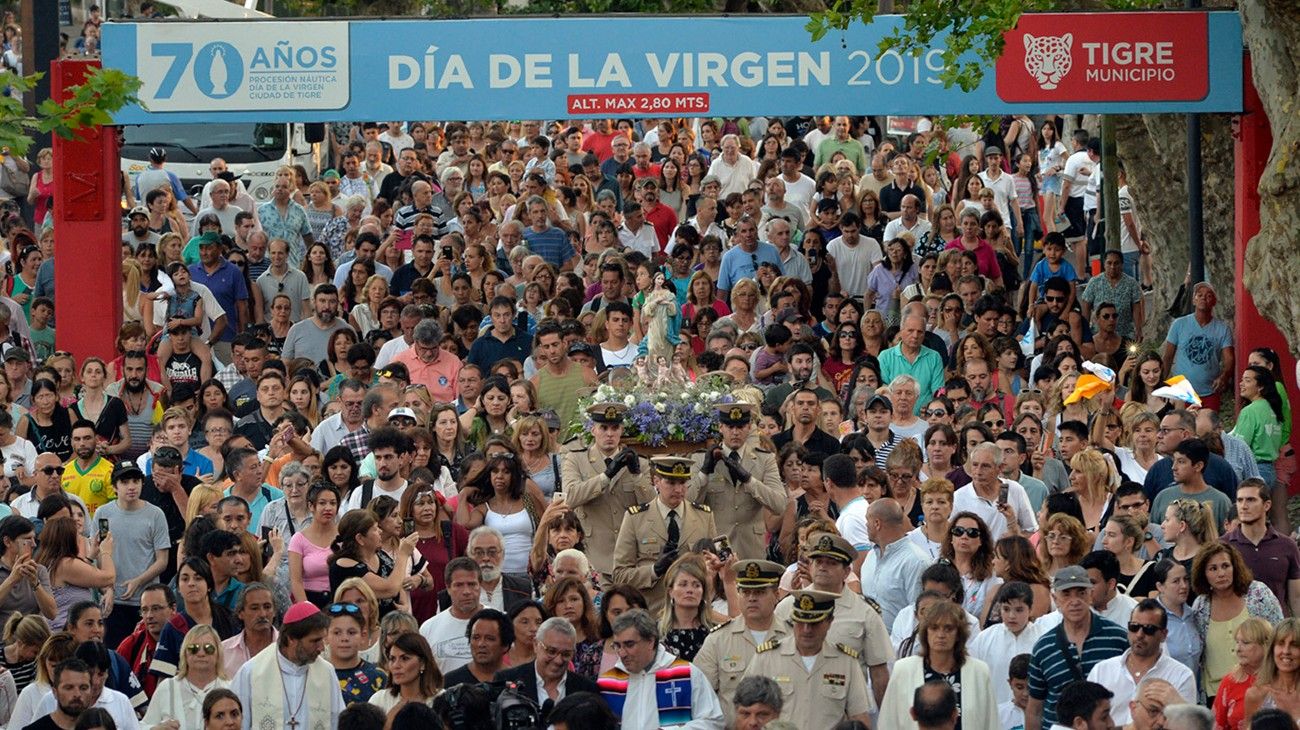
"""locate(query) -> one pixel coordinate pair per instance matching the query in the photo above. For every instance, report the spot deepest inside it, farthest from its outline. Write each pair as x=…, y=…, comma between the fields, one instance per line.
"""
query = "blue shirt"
x=228, y=286
x=264, y=497
x=551, y=244
x=488, y=350
x=737, y=264
x=1042, y=273
x=1199, y=350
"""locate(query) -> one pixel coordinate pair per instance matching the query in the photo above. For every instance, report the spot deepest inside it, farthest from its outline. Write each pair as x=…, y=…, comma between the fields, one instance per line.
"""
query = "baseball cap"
x=993, y=150
x=879, y=399
x=138, y=210
x=330, y=174
x=17, y=354
x=709, y=179
x=581, y=348
x=126, y=469
x=1071, y=576
x=402, y=412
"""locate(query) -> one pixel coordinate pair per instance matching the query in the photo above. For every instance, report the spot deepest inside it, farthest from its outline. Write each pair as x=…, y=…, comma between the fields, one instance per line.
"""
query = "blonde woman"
x=177, y=703
x=536, y=447
x=1090, y=481
x=1124, y=536
x=1064, y=542
x=203, y=501
x=133, y=304
x=365, y=315
x=687, y=616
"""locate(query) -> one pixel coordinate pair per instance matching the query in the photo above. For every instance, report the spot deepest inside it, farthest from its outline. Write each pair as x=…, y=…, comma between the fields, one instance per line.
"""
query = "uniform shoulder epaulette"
x=768, y=645
x=872, y=603
x=848, y=650
x=575, y=445
x=634, y=509
x=701, y=507
x=723, y=624
x=761, y=450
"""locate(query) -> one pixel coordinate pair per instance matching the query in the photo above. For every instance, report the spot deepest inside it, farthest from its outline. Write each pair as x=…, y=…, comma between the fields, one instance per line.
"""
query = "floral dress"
x=686, y=643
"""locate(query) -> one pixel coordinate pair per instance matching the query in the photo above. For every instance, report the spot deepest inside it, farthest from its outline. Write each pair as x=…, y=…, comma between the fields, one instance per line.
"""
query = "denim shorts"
x=1051, y=184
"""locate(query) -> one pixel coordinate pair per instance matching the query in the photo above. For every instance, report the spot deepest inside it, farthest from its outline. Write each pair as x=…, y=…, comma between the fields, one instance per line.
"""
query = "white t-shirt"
x=20, y=453
x=619, y=358
x=1004, y=191
x=1126, y=242
x=354, y=499
x=800, y=192
x=852, y=524
x=446, y=636
x=1093, y=188
x=1077, y=169
x=854, y=263
x=400, y=141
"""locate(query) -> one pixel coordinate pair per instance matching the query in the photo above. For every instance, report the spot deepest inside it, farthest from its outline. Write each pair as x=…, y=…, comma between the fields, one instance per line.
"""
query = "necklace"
x=293, y=723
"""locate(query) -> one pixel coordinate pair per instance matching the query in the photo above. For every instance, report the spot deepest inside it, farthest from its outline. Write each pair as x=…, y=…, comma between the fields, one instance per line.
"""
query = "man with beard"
x=88, y=475
x=70, y=693
x=801, y=358
x=96, y=658
x=137, y=232
x=256, y=611
x=142, y=399
x=310, y=338
x=290, y=684
x=496, y=590
x=157, y=606
x=387, y=444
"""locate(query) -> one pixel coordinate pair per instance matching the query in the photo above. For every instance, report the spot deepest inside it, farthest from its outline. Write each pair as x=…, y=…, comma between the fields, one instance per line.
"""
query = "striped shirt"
x=1049, y=670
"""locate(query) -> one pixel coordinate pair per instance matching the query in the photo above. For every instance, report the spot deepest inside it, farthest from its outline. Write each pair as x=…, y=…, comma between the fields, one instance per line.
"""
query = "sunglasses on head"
x=339, y=609
x=208, y=649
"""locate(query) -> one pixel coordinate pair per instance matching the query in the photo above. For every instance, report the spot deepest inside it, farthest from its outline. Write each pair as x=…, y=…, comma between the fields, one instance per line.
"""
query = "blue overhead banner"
x=548, y=68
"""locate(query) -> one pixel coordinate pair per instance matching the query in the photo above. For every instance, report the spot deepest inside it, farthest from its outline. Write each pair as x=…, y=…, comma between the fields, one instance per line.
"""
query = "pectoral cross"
x=292, y=724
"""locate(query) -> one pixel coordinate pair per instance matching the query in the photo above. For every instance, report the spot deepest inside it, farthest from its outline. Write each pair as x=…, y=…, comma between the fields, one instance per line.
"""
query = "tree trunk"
x=1272, y=32
x=1154, y=150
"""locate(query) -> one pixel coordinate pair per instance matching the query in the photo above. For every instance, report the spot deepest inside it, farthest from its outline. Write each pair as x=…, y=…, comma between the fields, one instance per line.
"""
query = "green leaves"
x=90, y=103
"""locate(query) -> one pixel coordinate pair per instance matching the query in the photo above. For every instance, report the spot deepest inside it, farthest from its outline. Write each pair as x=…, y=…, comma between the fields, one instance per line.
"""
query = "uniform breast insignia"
x=847, y=650
x=835, y=680
x=874, y=605
x=767, y=646
x=637, y=508
x=702, y=507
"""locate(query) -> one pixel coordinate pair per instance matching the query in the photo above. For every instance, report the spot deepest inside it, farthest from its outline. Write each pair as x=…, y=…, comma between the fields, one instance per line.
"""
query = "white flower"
x=629, y=401
x=660, y=407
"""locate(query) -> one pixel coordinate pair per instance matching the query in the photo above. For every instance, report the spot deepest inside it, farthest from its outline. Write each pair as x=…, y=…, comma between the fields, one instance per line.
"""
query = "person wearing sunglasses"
x=1147, y=630
x=177, y=703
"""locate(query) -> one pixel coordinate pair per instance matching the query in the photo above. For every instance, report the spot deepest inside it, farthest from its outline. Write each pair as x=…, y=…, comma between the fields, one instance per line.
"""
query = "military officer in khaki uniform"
x=737, y=479
x=728, y=648
x=857, y=624
x=653, y=534
x=600, y=483
x=833, y=689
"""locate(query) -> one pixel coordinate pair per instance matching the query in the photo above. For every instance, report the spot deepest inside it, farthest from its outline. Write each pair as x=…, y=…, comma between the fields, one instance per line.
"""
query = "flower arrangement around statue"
x=666, y=412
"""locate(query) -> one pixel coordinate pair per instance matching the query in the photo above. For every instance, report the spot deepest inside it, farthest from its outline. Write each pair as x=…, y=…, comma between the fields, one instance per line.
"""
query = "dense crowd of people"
x=344, y=471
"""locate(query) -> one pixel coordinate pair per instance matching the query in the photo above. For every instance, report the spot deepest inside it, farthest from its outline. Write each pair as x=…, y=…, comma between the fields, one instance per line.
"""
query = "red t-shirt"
x=598, y=144
x=1230, y=703
x=986, y=259
x=664, y=220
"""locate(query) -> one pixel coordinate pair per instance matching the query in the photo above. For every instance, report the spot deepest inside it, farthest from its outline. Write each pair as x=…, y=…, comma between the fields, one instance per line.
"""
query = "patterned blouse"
x=361, y=681
x=1260, y=602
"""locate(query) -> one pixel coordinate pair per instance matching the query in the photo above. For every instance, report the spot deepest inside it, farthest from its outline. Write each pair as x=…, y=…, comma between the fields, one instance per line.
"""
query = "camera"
x=489, y=706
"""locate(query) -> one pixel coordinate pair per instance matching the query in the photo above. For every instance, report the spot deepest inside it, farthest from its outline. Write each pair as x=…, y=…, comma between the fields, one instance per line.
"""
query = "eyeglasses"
x=553, y=653
x=749, y=346
x=1053, y=299
x=1056, y=536
x=996, y=424
x=899, y=476
x=339, y=609
x=194, y=649
x=936, y=413
x=49, y=470
x=1106, y=316
x=1148, y=629
x=971, y=532
x=485, y=552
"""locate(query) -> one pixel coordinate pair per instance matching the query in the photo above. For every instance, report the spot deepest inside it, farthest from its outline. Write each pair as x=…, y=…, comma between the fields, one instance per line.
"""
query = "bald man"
x=893, y=563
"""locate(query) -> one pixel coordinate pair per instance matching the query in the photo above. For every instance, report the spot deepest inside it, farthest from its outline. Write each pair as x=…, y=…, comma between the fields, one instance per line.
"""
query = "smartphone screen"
x=266, y=533
x=103, y=528
x=1002, y=494
x=408, y=526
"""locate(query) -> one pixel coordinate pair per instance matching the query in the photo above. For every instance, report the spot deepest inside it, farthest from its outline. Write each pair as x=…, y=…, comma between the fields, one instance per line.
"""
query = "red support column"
x=1254, y=140
x=88, y=229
